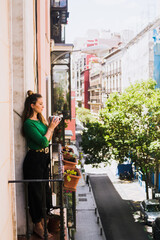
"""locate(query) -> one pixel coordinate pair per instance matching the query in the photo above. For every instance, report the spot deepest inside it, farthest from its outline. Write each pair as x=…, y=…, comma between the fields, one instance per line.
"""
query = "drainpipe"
x=36, y=46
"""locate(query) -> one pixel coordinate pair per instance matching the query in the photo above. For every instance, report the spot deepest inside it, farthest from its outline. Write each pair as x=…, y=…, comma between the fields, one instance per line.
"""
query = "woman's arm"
x=33, y=134
x=53, y=124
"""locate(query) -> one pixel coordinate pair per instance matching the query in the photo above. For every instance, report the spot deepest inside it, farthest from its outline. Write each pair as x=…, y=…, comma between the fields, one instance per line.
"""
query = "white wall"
x=7, y=199
x=23, y=45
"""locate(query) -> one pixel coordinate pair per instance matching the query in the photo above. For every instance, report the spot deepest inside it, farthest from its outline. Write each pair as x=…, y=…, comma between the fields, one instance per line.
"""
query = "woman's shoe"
x=42, y=222
x=39, y=232
x=50, y=236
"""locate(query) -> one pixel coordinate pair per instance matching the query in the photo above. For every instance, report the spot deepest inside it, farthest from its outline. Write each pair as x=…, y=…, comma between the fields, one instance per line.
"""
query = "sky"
x=115, y=15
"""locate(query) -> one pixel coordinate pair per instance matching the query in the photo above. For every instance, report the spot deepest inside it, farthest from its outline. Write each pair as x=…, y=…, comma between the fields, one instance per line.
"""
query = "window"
x=61, y=89
x=58, y=3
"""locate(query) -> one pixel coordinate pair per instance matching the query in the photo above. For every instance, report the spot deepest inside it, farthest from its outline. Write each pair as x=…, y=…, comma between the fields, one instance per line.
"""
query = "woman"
x=38, y=134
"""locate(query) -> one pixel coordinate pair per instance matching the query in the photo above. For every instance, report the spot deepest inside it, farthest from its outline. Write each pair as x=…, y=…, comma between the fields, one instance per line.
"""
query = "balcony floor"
x=56, y=236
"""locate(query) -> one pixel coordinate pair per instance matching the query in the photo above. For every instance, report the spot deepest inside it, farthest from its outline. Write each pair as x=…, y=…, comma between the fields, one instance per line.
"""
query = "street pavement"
x=86, y=220
x=115, y=212
x=132, y=192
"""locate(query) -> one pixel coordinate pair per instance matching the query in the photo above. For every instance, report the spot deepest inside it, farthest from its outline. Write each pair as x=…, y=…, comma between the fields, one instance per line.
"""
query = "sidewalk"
x=87, y=227
x=128, y=190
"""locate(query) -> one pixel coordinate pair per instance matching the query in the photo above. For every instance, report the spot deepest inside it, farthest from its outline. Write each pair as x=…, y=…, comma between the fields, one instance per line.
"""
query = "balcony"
x=95, y=101
x=95, y=87
x=112, y=90
x=113, y=72
x=95, y=97
x=60, y=208
x=79, y=99
x=59, y=16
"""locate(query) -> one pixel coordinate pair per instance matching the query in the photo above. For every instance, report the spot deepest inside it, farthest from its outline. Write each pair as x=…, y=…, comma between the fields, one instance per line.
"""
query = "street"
x=115, y=213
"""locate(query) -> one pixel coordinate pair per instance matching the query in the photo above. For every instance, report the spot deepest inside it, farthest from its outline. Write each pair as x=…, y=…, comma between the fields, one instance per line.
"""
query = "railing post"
x=63, y=131
x=27, y=210
x=95, y=211
x=44, y=210
x=61, y=211
x=50, y=161
x=74, y=208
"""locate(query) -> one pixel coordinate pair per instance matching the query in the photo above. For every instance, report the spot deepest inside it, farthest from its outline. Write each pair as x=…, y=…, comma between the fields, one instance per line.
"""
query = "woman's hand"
x=54, y=123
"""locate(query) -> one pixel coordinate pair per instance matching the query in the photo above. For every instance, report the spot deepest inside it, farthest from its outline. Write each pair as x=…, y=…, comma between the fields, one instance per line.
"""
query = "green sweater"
x=34, y=132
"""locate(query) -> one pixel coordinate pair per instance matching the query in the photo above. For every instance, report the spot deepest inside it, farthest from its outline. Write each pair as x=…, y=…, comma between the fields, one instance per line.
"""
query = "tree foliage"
x=85, y=116
x=130, y=127
x=137, y=119
x=94, y=143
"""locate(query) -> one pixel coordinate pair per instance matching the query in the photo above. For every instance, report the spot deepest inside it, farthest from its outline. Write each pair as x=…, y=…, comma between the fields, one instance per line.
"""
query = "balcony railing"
x=95, y=97
x=59, y=179
x=112, y=90
x=92, y=101
x=113, y=72
x=95, y=74
x=95, y=86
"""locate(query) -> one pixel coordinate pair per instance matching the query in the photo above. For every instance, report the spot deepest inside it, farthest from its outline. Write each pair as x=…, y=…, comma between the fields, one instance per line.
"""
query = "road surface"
x=115, y=213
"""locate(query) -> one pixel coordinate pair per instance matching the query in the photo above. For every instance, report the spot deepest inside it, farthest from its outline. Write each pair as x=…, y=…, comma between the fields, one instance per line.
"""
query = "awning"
x=68, y=133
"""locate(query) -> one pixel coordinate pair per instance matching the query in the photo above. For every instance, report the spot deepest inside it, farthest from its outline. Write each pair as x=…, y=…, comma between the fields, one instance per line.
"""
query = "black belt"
x=44, y=150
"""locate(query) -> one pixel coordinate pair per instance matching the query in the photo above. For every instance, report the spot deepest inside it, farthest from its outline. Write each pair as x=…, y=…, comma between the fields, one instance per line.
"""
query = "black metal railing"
x=59, y=180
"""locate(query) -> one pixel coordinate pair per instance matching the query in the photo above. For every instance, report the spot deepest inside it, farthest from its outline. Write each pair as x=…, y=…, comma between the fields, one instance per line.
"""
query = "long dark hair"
x=28, y=111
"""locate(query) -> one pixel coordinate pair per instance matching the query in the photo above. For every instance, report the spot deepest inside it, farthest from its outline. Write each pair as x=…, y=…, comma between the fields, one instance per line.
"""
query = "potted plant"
x=70, y=159
x=71, y=178
x=67, y=149
x=69, y=155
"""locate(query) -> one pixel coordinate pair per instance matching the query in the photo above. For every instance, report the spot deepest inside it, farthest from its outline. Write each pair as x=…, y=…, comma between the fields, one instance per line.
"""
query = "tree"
x=94, y=143
x=131, y=126
x=85, y=116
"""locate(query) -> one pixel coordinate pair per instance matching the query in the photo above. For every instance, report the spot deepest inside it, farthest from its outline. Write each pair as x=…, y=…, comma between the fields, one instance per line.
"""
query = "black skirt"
x=36, y=166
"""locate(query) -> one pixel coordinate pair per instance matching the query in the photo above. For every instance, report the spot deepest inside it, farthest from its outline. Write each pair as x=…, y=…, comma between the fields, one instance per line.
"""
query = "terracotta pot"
x=71, y=186
x=70, y=163
x=54, y=224
x=67, y=155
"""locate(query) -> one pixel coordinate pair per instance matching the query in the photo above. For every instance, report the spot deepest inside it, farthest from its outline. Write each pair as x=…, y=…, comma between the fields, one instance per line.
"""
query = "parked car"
x=149, y=210
x=156, y=229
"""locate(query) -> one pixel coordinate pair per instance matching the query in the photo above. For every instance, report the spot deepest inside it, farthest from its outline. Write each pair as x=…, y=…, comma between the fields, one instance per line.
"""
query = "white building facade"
x=138, y=57
x=112, y=74
x=130, y=63
x=137, y=60
x=79, y=66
